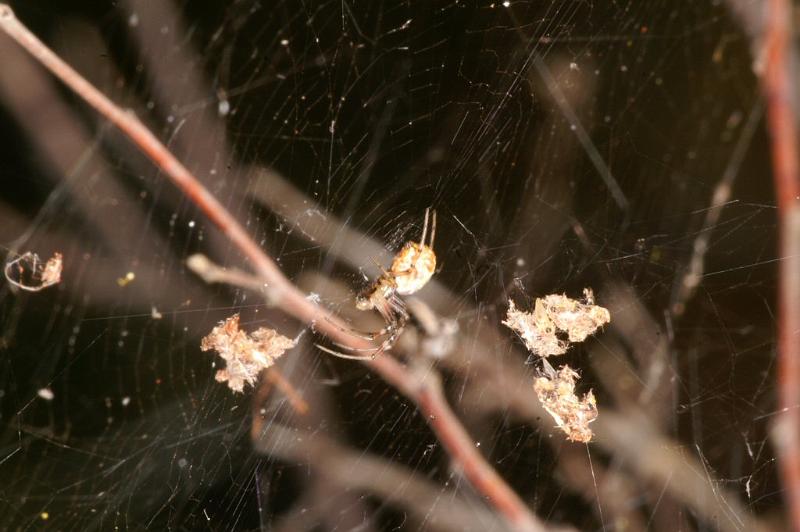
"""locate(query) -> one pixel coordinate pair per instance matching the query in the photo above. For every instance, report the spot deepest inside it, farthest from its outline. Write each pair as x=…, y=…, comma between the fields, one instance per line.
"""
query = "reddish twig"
x=295, y=399
x=457, y=442
x=778, y=87
x=423, y=391
x=356, y=470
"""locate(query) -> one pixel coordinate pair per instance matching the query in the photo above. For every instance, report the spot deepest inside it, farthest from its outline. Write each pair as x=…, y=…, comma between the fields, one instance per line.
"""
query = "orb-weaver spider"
x=412, y=267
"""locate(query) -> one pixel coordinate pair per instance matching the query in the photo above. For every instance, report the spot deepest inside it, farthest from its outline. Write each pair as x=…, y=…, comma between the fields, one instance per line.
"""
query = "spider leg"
x=385, y=346
x=433, y=229
x=393, y=329
x=432, y=215
x=344, y=355
x=363, y=349
x=392, y=309
x=383, y=270
x=360, y=334
x=424, y=228
x=399, y=306
x=401, y=316
x=373, y=351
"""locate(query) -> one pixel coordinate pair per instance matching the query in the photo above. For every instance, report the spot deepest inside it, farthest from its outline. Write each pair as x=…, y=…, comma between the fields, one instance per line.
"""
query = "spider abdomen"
x=413, y=267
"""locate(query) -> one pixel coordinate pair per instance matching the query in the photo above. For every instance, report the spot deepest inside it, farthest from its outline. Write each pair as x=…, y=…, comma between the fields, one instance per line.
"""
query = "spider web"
x=563, y=144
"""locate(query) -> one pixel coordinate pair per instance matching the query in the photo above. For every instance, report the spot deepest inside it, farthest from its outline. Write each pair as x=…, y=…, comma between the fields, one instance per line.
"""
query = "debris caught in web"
x=245, y=354
x=29, y=273
x=556, y=323
x=553, y=315
x=556, y=392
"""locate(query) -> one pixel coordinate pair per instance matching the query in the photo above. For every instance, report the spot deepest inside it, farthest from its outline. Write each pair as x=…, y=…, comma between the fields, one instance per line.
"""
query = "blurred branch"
x=324, y=503
x=274, y=376
x=68, y=148
x=779, y=83
x=356, y=470
x=751, y=16
x=583, y=136
x=423, y=389
x=94, y=190
x=213, y=273
x=313, y=221
x=650, y=349
x=201, y=136
x=691, y=274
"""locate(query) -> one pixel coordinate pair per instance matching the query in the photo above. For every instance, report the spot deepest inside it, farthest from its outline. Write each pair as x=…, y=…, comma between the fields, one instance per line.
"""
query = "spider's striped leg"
x=392, y=310
x=393, y=330
x=371, y=336
x=385, y=346
x=424, y=228
x=344, y=355
x=433, y=230
x=373, y=352
x=432, y=215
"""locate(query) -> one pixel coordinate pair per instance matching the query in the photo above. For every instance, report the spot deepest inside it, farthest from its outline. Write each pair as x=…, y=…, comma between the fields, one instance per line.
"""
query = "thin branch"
x=328, y=504
x=692, y=273
x=440, y=343
x=779, y=86
x=274, y=376
x=425, y=394
x=583, y=136
x=461, y=447
x=213, y=273
x=355, y=470
x=67, y=149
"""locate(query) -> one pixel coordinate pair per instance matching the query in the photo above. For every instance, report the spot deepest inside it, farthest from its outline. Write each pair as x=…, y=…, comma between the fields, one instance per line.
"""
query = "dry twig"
x=359, y=471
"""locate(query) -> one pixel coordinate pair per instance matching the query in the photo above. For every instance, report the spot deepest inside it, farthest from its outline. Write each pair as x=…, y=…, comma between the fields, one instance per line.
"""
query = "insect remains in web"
x=556, y=392
x=28, y=272
x=411, y=269
x=556, y=323
x=245, y=355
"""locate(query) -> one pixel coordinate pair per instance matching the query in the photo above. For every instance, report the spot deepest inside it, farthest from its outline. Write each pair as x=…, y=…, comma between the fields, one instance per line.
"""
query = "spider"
x=412, y=268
